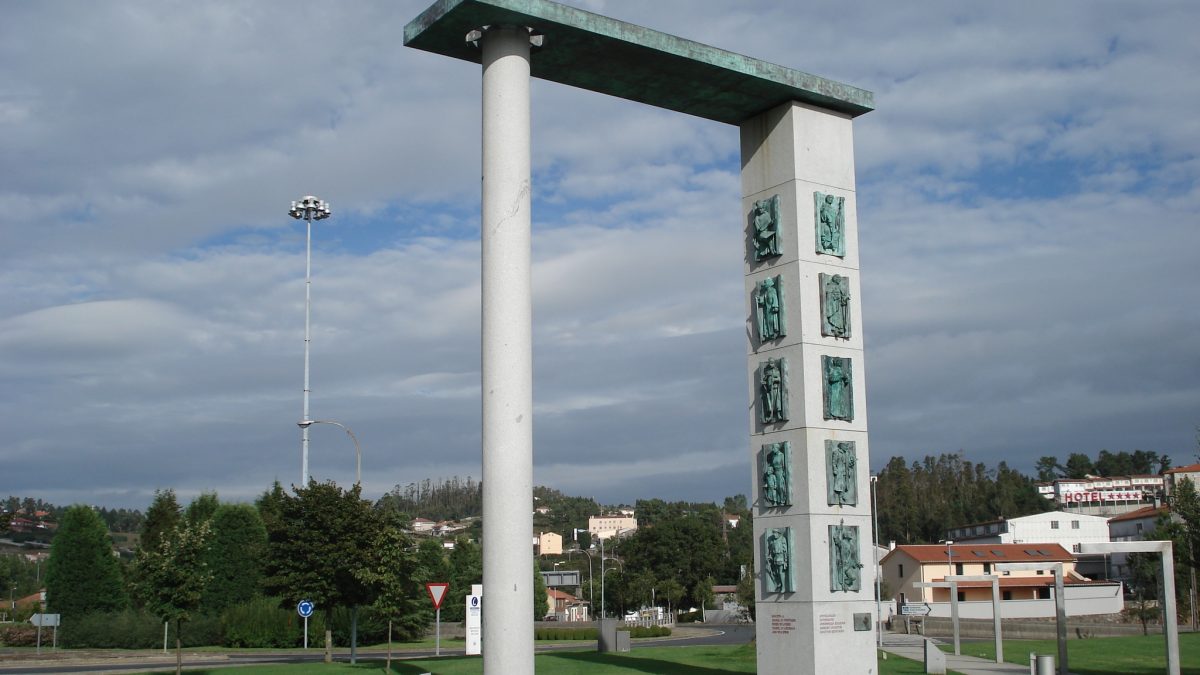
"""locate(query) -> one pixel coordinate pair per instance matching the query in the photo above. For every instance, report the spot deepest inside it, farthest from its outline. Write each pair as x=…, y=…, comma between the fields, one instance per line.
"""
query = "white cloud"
x=1027, y=200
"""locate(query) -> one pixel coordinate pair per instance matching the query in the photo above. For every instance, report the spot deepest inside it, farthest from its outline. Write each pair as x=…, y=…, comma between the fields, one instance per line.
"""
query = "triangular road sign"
x=437, y=593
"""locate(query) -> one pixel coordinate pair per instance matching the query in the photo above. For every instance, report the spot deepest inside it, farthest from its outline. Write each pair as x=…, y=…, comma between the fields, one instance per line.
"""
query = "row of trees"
x=321, y=543
x=919, y=502
x=1079, y=465
x=678, y=553
x=451, y=499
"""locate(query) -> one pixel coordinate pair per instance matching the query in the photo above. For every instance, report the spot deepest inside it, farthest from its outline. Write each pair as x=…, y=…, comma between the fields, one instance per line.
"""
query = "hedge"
x=646, y=631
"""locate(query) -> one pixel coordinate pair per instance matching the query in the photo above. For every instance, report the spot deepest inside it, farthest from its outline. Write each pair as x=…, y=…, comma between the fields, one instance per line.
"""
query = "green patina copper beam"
x=612, y=57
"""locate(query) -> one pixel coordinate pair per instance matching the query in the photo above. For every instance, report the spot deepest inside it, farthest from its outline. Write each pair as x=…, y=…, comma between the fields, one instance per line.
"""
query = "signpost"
x=474, y=624
x=915, y=609
x=305, y=609
x=437, y=592
x=40, y=620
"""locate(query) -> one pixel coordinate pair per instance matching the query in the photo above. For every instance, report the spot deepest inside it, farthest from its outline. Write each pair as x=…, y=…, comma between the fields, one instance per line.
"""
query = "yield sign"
x=437, y=592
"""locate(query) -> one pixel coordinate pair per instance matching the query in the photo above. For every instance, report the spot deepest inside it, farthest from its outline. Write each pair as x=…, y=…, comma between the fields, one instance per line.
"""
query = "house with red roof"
x=562, y=606
x=1022, y=593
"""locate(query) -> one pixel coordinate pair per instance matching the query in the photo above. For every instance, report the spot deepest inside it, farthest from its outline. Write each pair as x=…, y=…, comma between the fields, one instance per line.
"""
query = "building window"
x=1043, y=593
x=1041, y=572
x=987, y=568
x=958, y=568
x=901, y=570
x=1054, y=524
x=1139, y=527
x=962, y=596
x=1007, y=595
x=1074, y=524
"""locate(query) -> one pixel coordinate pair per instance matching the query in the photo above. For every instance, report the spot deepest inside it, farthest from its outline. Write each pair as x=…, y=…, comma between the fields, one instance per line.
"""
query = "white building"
x=547, y=543
x=1173, y=476
x=1132, y=526
x=1022, y=593
x=1102, y=495
x=1053, y=527
x=603, y=527
x=1066, y=529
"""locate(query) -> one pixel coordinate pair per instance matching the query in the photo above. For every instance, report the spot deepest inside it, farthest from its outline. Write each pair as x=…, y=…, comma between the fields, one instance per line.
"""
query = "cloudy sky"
x=1028, y=231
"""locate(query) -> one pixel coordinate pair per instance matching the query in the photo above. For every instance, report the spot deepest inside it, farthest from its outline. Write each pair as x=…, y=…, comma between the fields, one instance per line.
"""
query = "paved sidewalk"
x=913, y=647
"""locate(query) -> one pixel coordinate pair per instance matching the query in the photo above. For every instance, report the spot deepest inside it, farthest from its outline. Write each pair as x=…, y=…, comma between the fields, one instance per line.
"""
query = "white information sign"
x=474, y=624
x=44, y=619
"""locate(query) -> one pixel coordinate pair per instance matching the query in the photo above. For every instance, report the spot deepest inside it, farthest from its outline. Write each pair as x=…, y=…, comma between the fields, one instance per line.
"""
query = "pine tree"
x=235, y=556
x=162, y=517
x=82, y=574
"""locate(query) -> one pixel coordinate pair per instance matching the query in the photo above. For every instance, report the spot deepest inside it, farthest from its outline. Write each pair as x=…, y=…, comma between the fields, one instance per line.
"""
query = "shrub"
x=690, y=617
x=557, y=633
x=646, y=631
x=126, y=629
x=261, y=622
x=18, y=635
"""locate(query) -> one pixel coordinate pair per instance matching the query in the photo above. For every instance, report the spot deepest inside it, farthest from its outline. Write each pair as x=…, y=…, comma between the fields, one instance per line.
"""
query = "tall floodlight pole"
x=304, y=424
x=308, y=209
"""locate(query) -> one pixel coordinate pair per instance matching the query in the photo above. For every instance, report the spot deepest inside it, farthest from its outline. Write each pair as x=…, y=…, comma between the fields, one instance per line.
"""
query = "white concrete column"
x=507, y=356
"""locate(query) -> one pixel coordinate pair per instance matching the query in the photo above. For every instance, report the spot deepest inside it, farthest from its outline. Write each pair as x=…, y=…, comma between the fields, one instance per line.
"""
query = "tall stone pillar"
x=507, y=353
x=808, y=428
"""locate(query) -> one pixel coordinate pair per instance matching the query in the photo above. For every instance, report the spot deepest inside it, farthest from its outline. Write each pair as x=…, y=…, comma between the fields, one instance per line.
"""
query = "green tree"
x=465, y=568
x=671, y=591
x=1048, y=469
x=171, y=579
x=161, y=518
x=541, y=598
x=745, y=592
x=1185, y=503
x=684, y=544
x=82, y=575
x=235, y=556
x=1079, y=465
x=202, y=508
x=321, y=541
x=703, y=593
x=394, y=574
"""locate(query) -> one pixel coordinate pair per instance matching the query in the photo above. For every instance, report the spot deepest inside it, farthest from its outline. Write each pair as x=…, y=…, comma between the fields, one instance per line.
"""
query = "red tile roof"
x=981, y=553
x=1190, y=468
x=1145, y=512
x=1034, y=582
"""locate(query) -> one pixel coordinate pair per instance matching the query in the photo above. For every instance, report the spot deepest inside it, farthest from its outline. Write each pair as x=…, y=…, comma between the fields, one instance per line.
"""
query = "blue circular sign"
x=305, y=608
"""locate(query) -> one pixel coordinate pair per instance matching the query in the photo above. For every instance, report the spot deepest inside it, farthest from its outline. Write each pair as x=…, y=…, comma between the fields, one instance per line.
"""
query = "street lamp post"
x=305, y=424
x=591, y=599
x=308, y=209
x=878, y=592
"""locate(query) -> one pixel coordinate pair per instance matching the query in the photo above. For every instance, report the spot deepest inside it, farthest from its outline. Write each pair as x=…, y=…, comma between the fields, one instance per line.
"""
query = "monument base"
x=816, y=637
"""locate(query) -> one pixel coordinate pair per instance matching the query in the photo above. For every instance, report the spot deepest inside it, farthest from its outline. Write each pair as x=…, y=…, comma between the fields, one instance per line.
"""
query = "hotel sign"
x=1082, y=496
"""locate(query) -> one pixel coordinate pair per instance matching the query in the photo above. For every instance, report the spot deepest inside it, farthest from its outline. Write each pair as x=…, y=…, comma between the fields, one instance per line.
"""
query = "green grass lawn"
x=716, y=660
x=1137, y=655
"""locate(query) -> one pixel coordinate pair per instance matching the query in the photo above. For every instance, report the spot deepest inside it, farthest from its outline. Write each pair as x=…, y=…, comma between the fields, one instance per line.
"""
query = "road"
x=73, y=662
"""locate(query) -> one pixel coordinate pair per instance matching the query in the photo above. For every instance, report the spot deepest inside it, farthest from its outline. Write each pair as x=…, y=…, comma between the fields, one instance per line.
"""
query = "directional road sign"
x=305, y=608
x=44, y=619
x=437, y=592
x=915, y=609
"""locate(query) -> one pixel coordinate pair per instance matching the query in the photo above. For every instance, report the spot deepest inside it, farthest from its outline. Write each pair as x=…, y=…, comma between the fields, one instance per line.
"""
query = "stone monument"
x=798, y=163
x=805, y=355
